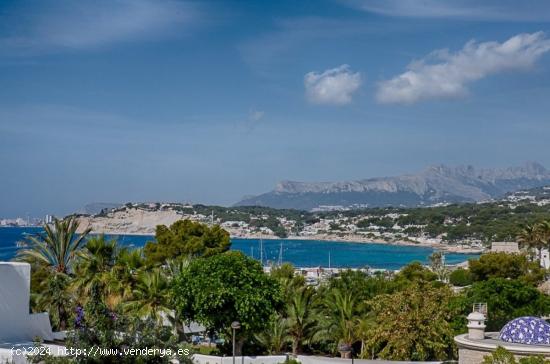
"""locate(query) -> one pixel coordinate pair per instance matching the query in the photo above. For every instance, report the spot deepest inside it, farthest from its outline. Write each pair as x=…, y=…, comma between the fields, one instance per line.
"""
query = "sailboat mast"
x=281, y=254
x=261, y=252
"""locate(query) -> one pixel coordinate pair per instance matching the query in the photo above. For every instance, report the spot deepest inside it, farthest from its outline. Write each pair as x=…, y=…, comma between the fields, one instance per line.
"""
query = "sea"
x=301, y=253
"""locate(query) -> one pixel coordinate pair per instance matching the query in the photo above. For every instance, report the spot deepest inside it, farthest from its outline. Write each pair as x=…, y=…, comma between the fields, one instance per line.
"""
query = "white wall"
x=17, y=325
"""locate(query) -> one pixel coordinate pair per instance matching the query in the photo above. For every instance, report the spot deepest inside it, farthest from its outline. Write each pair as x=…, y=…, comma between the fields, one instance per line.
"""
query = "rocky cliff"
x=435, y=184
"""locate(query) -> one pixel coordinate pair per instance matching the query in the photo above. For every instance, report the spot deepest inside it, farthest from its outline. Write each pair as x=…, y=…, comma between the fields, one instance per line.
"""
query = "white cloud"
x=334, y=86
x=69, y=24
x=506, y=10
x=255, y=115
x=445, y=75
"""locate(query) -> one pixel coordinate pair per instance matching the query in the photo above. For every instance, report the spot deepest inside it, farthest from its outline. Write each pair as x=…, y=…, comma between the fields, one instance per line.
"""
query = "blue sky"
x=166, y=100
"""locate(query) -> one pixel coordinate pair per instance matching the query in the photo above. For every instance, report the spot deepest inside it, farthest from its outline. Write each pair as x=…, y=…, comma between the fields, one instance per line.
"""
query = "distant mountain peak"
x=435, y=184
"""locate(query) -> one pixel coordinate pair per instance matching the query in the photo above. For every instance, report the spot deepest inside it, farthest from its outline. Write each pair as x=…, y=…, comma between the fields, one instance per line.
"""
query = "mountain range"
x=434, y=185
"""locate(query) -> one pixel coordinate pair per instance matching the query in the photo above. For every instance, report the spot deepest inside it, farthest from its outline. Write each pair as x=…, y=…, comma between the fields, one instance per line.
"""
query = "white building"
x=510, y=247
x=513, y=248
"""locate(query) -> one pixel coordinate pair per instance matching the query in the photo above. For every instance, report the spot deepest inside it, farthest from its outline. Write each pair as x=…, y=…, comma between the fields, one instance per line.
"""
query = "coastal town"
x=455, y=228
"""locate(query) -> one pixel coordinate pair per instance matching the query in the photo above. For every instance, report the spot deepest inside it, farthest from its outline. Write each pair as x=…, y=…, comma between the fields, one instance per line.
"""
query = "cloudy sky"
x=174, y=100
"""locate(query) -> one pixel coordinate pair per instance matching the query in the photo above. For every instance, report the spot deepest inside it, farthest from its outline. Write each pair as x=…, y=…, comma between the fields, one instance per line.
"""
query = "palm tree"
x=151, y=297
x=302, y=318
x=342, y=323
x=544, y=235
x=94, y=269
x=56, y=251
x=529, y=237
x=55, y=298
x=535, y=237
x=364, y=326
x=176, y=266
x=128, y=265
x=275, y=337
x=173, y=269
x=57, y=247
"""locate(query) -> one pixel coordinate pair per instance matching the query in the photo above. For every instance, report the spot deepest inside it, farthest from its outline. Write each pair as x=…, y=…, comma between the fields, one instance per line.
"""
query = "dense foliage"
x=460, y=277
x=220, y=289
x=502, y=265
x=507, y=299
x=186, y=238
x=117, y=298
x=413, y=324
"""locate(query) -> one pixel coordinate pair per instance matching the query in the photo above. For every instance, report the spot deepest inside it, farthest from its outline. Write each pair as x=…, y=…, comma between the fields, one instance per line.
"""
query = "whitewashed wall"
x=17, y=325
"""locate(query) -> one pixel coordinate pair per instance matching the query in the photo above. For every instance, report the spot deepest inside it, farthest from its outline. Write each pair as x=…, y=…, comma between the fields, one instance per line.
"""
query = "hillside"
x=471, y=224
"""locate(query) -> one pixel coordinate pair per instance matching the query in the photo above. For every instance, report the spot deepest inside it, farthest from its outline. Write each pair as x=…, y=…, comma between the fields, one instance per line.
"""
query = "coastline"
x=142, y=223
x=358, y=239
x=350, y=238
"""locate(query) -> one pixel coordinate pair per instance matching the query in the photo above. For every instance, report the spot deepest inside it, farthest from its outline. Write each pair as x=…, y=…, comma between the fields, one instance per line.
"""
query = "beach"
x=140, y=222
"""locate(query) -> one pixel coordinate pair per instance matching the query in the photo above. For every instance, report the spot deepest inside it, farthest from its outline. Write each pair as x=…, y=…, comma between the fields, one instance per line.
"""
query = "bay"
x=301, y=253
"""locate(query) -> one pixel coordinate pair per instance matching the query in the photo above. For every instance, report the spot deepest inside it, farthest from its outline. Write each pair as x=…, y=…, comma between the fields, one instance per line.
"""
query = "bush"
x=460, y=277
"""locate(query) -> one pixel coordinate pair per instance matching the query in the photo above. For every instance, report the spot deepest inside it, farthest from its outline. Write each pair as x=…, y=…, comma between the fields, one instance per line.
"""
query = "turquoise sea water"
x=301, y=253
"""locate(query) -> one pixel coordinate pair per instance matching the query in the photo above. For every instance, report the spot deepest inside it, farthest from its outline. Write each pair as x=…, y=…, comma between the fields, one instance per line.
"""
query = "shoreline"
x=457, y=249
x=355, y=239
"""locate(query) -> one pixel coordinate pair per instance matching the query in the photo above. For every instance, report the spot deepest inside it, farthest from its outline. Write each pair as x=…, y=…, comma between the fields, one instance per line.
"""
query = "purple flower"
x=79, y=321
x=113, y=316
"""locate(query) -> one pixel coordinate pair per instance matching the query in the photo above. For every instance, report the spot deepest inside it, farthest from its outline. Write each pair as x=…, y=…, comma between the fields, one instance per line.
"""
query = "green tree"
x=186, y=238
x=289, y=281
x=529, y=238
x=359, y=284
x=223, y=288
x=94, y=267
x=57, y=247
x=507, y=299
x=52, y=255
x=275, y=336
x=413, y=272
x=151, y=297
x=503, y=265
x=129, y=263
x=413, y=324
x=544, y=232
x=303, y=318
x=342, y=320
x=56, y=298
x=460, y=277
